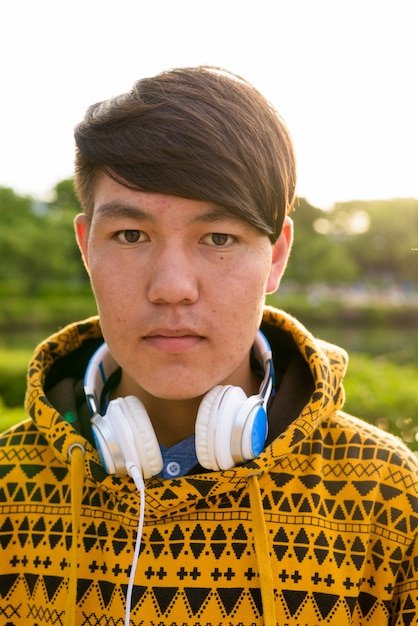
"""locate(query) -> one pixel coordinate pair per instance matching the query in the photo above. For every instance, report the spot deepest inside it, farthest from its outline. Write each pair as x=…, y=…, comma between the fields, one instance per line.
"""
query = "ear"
x=81, y=225
x=281, y=252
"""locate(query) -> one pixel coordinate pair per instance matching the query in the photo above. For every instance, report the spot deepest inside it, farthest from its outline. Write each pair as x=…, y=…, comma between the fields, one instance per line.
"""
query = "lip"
x=173, y=340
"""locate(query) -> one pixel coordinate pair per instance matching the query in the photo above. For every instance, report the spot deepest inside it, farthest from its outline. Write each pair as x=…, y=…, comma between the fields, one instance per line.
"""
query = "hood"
x=310, y=374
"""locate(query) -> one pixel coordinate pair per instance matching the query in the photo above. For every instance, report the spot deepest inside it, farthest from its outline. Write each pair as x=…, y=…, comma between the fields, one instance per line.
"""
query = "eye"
x=130, y=236
x=219, y=239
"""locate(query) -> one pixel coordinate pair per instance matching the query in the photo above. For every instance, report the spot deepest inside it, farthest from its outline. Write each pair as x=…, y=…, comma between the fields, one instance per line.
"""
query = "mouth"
x=173, y=340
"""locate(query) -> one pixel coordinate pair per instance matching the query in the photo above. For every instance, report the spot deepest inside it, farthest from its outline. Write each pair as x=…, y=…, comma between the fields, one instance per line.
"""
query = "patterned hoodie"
x=319, y=529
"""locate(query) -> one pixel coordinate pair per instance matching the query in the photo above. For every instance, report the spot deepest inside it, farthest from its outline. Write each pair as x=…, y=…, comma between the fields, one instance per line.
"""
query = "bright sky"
x=342, y=73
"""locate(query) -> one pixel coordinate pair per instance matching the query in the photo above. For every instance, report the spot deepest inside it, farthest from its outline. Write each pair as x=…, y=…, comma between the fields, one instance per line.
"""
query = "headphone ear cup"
x=126, y=438
x=253, y=423
x=215, y=427
x=145, y=440
x=107, y=445
x=204, y=430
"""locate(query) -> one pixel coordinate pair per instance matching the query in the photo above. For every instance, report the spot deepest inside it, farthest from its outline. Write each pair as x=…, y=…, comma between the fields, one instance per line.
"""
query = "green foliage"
x=316, y=257
x=385, y=249
x=18, y=229
x=328, y=307
x=354, y=242
x=385, y=394
x=37, y=244
x=55, y=306
x=10, y=416
x=13, y=368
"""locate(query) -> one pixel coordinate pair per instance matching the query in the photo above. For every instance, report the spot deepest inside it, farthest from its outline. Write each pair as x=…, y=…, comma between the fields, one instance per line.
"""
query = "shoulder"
x=362, y=451
x=373, y=437
x=365, y=465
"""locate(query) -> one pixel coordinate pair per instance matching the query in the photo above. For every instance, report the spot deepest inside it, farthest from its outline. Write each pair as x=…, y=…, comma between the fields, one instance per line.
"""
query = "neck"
x=174, y=420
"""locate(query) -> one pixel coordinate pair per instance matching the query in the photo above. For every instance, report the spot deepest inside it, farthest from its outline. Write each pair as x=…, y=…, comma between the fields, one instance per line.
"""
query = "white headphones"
x=231, y=427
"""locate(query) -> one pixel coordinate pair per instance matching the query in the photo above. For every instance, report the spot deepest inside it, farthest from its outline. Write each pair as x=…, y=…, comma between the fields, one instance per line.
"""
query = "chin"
x=177, y=393
x=176, y=396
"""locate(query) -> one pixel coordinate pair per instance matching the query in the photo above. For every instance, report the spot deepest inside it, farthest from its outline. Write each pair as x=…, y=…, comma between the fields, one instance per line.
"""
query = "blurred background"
x=342, y=74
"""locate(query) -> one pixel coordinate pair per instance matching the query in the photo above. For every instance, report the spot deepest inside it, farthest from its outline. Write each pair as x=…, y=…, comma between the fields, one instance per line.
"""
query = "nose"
x=173, y=277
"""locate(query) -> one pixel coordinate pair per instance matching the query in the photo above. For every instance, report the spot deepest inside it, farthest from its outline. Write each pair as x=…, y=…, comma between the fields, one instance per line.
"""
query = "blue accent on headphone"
x=259, y=432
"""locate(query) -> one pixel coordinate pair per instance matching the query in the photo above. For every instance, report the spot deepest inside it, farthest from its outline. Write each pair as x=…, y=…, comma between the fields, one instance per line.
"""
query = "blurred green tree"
x=352, y=243
x=37, y=245
x=318, y=256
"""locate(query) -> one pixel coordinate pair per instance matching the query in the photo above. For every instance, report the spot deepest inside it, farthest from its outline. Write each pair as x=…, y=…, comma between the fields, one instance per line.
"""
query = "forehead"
x=113, y=200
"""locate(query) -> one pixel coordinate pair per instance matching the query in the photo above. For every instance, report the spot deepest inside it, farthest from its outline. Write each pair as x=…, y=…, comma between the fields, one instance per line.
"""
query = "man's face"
x=180, y=288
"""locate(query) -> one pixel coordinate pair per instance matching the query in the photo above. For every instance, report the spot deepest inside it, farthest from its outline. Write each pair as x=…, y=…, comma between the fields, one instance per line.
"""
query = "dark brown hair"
x=200, y=133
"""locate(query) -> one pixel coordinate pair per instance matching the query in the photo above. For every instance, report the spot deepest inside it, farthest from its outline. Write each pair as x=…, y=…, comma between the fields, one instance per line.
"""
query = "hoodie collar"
x=310, y=389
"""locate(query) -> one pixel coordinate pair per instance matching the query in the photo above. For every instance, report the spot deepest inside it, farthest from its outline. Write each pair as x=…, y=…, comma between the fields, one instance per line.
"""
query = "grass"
x=13, y=367
x=11, y=416
x=384, y=393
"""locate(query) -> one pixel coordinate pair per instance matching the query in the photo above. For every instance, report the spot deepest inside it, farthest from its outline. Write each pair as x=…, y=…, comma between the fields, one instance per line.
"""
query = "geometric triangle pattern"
x=340, y=518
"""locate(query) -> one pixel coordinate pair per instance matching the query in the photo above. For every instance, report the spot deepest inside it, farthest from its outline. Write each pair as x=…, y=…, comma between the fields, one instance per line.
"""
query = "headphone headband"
x=99, y=369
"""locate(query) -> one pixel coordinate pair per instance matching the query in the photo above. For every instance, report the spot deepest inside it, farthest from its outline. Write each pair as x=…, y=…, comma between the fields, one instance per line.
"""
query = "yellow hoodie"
x=319, y=529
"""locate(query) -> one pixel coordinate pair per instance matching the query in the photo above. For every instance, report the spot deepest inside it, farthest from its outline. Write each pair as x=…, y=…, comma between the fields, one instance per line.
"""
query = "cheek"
x=252, y=279
x=243, y=299
x=111, y=286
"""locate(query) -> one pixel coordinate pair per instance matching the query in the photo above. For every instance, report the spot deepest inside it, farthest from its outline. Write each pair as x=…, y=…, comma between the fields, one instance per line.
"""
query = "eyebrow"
x=115, y=209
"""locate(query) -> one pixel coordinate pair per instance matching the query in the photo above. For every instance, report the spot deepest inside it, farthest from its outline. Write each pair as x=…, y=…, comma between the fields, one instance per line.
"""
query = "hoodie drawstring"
x=76, y=454
x=262, y=553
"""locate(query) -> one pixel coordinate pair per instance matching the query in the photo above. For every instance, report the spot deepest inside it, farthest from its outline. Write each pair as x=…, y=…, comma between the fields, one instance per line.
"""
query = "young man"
x=191, y=469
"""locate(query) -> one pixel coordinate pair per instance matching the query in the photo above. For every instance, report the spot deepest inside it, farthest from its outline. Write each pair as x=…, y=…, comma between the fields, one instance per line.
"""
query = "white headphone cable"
x=139, y=482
